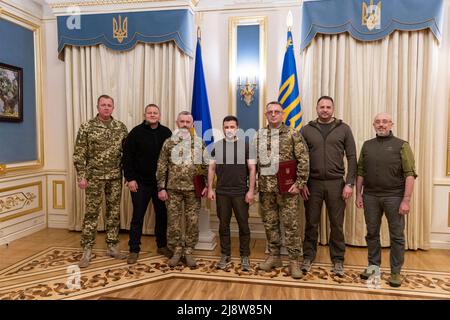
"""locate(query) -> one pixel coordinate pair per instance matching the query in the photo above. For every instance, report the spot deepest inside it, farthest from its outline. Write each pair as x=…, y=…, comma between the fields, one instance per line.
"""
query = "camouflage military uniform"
x=274, y=146
x=179, y=161
x=97, y=157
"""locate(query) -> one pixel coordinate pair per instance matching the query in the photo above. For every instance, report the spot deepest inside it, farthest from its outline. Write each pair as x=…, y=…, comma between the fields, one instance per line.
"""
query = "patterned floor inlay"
x=52, y=259
x=64, y=282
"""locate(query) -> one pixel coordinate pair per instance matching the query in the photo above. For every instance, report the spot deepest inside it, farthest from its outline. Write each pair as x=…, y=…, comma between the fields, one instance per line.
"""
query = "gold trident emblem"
x=120, y=31
x=371, y=15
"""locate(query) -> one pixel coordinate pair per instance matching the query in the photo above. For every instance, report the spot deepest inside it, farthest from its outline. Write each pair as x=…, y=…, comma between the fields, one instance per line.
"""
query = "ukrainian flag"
x=288, y=95
x=200, y=105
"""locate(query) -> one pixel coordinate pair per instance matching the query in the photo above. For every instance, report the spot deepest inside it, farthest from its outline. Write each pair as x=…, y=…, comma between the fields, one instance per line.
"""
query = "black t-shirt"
x=231, y=167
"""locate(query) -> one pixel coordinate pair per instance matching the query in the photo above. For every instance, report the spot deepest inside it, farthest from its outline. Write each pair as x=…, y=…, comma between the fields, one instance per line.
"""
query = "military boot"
x=132, y=257
x=175, y=259
x=86, y=258
x=294, y=269
x=165, y=252
x=113, y=251
x=270, y=263
x=190, y=260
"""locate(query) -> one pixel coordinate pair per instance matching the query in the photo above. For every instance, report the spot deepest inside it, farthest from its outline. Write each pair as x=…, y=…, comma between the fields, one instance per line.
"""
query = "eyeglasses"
x=274, y=112
x=383, y=121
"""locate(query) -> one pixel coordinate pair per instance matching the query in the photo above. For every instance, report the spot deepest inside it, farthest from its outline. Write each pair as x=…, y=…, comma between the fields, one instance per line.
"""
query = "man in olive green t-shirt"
x=386, y=176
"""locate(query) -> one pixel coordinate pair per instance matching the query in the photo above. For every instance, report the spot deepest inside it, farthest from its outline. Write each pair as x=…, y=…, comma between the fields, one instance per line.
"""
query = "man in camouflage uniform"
x=181, y=159
x=277, y=143
x=97, y=157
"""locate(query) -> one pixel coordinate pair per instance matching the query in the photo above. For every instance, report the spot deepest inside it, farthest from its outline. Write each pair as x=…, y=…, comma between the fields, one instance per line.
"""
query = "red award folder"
x=199, y=185
x=286, y=175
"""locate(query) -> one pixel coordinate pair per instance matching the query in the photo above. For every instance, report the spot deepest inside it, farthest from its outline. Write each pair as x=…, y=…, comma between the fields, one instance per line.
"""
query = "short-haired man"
x=140, y=159
x=329, y=140
x=275, y=144
x=180, y=160
x=236, y=174
x=97, y=159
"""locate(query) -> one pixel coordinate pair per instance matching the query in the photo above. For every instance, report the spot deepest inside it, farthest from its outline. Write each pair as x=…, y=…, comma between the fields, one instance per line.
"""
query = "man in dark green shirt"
x=385, y=183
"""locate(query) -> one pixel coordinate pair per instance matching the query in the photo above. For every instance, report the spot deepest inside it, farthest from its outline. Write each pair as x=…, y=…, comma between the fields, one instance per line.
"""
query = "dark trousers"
x=140, y=200
x=373, y=212
x=225, y=206
x=329, y=191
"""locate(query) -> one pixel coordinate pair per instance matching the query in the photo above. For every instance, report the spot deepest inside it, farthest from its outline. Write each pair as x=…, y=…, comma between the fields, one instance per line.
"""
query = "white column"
x=207, y=238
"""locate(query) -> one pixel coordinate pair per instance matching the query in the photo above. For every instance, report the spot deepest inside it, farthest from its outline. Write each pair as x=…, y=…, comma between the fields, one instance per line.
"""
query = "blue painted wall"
x=247, y=64
x=18, y=139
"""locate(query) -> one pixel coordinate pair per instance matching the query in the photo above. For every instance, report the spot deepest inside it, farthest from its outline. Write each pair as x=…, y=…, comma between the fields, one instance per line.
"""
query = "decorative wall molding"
x=109, y=6
x=31, y=25
x=261, y=72
x=226, y=5
x=448, y=134
x=17, y=201
x=27, y=8
x=441, y=182
x=440, y=240
x=90, y=3
x=14, y=176
x=59, y=191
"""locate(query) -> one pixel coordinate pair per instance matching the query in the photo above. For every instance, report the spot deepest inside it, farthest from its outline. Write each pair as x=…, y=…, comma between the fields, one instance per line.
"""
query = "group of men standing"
x=166, y=167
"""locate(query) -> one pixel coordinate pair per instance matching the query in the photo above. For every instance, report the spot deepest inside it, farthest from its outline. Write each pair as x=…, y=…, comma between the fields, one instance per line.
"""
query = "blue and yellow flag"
x=200, y=105
x=289, y=95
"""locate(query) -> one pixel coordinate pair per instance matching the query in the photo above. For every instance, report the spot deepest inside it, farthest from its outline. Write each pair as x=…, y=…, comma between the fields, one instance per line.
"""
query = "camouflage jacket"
x=98, y=149
x=274, y=146
x=179, y=161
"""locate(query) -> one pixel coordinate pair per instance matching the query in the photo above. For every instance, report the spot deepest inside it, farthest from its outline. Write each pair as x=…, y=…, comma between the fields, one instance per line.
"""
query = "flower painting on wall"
x=11, y=93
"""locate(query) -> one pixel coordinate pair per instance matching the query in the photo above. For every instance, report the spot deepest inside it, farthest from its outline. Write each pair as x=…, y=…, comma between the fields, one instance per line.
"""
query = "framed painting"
x=11, y=93
x=20, y=95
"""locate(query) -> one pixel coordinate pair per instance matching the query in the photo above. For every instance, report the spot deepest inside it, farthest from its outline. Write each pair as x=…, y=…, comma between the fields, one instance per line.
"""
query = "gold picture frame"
x=448, y=135
x=233, y=23
x=10, y=168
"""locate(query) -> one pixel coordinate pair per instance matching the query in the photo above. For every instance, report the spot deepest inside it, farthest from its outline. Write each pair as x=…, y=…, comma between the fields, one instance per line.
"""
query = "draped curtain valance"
x=369, y=20
x=121, y=31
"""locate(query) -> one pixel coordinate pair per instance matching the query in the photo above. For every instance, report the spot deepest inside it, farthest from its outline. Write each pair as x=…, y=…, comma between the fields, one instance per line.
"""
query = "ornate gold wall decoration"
x=55, y=192
x=39, y=161
x=448, y=135
x=448, y=209
x=24, y=199
x=16, y=201
x=104, y=2
x=233, y=24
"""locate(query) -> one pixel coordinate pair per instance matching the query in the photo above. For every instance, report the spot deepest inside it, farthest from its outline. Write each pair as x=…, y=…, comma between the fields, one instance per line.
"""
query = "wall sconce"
x=247, y=91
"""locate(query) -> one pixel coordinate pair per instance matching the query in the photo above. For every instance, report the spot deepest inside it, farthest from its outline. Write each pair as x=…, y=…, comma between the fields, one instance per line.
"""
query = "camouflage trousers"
x=283, y=209
x=175, y=221
x=112, y=189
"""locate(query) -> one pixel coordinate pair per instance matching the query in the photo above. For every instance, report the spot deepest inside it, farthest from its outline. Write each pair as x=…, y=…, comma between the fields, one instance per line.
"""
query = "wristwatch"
x=350, y=185
x=161, y=189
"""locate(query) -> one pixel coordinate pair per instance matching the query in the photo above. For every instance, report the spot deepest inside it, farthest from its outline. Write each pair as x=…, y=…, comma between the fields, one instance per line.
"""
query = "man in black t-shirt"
x=234, y=165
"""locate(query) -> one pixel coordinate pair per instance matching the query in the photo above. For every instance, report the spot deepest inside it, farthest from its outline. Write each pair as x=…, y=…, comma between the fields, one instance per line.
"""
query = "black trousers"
x=140, y=200
x=225, y=207
x=329, y=191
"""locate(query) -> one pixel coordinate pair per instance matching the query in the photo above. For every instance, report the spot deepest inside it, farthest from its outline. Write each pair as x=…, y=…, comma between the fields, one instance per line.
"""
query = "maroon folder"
x=286, y=175
x=199, y=185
